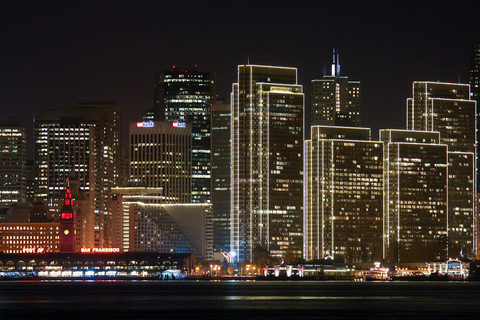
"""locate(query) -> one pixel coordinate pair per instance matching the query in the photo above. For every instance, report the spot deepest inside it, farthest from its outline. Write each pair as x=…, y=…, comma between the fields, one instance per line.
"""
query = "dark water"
x=238, y=300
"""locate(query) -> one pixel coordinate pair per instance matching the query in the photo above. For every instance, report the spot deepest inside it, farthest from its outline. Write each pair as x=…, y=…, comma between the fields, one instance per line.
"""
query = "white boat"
x=377, y=273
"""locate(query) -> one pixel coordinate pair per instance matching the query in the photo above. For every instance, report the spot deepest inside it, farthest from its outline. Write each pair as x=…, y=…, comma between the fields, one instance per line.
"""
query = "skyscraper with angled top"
x=267, y=159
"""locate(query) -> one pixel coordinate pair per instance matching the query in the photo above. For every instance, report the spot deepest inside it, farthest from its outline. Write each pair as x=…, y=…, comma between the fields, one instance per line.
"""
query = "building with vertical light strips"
x=267, y=159
x=415, y=196
x=161, y=157
x=343, y=187
x=447, y=108
x=221, y=119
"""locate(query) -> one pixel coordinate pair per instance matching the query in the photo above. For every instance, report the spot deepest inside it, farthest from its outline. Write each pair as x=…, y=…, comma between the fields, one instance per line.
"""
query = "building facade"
x=13, y=158
x=145, y=224
x=81, y=142
x=415, y=196
x=221, y=118
x=186, y=95
x=448, y=109
x=335, y=99
x=474, y=81
x=475, y=70
x=29, y=237
x=161, y=157
x=267, y=159
x=343, y=188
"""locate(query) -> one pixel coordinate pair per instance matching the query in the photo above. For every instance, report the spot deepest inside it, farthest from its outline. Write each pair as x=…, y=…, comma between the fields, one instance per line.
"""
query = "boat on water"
x=377, y=273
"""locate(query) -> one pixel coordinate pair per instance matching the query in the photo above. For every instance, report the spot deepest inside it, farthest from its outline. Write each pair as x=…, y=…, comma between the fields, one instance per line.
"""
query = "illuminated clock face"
x=66, y=231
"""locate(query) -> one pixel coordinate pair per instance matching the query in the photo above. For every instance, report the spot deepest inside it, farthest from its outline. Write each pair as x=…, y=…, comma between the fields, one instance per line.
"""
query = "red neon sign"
x=67, y=216
x=33, y=250
x=99, y=250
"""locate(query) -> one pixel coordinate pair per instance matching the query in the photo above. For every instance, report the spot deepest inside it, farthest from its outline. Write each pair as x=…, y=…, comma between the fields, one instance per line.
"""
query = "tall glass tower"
x=186, y=95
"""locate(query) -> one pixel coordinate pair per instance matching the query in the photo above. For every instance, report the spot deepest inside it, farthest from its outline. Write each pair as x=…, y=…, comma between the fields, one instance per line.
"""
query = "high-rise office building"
x=13, y=157
x=267, y=159
x=343, y=195
x=415, y=196
x=81, y=142
x=186, y=95
x=475, y=86
x=221, y=117
x=447, y=108
x=335, y=99
x=161, y=157
x=475, y=70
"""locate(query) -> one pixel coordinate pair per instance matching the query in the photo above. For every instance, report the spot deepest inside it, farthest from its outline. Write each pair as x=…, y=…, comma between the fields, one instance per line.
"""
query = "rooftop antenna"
x=335, y=64
x=248, y=59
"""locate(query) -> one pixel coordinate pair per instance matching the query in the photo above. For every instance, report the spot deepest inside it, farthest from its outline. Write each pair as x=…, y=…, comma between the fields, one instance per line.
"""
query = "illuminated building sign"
x=145, y=124
x=179, y=124
x=34, y=250
x=67, y=216
x=99, y=250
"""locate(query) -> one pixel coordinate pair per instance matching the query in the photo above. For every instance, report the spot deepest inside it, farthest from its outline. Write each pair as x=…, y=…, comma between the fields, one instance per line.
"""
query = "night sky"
x=55, y=52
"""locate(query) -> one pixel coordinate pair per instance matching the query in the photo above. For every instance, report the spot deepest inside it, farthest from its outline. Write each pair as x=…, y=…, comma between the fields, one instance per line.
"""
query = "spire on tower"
x=335, y=64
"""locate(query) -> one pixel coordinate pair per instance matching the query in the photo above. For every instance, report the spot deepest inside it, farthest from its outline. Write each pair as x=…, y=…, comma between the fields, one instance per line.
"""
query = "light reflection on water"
x=279, y=299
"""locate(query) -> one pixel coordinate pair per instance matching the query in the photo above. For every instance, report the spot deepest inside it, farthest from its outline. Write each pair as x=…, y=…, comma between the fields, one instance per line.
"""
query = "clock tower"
x=67, y=224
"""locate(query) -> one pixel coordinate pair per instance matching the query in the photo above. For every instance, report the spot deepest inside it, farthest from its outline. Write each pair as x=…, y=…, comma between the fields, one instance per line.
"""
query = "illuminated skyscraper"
x=186, y=95
x=13, y=158
x=475, y=85
x=161, y=157
x=221, y=118
x=267, y=149
x=81, y=142
x=415, y=196
x=335, y=99
x=447, y=108
x=343, y=188
x=475, y=70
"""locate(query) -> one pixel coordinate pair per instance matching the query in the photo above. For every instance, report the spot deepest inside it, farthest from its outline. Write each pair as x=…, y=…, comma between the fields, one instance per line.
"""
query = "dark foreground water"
x=238, y=300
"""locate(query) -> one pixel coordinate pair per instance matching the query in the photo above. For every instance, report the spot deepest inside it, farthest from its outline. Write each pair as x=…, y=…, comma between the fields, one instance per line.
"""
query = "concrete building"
x=13, y=157
x=343, y=188
x=267, y=158
x=29, y=237
x=335, y=99
x=186, y=95
x=161, y=157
